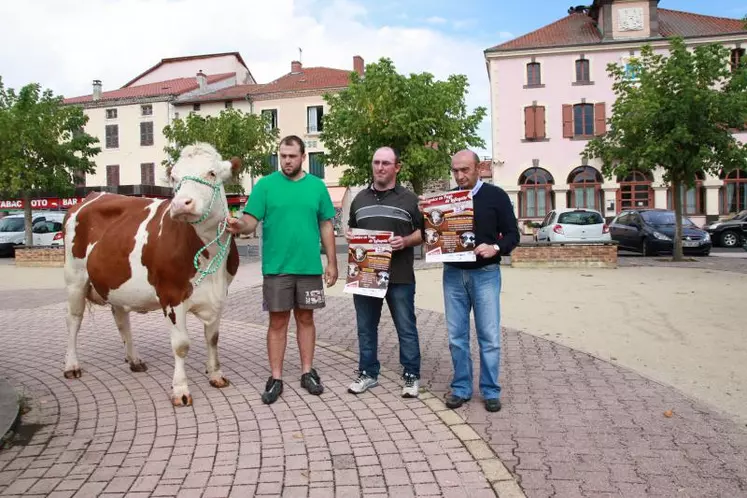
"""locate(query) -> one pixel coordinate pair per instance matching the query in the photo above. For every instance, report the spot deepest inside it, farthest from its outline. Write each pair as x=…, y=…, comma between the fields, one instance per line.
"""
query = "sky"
x=65, y=44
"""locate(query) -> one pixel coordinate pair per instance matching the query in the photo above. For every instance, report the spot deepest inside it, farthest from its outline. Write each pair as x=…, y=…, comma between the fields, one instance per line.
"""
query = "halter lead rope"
x=223, y=247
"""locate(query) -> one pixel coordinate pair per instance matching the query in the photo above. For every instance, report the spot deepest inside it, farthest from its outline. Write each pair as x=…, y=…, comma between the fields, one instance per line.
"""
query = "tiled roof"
x=176, y=86
x=182, y=59
x=580, y=29
x=309, y=78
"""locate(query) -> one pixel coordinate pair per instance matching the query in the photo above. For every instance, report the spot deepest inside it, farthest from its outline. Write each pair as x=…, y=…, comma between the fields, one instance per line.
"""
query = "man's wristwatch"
x=497, y=248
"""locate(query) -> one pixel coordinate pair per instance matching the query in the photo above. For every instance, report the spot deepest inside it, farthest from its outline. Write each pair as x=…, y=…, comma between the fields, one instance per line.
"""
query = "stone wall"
x=566, y=255
x=40, y=256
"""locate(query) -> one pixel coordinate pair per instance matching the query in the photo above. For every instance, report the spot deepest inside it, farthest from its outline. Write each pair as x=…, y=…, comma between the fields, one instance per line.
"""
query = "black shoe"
x=493, y=404
x=311, y=382
x=273, y=390
x=455, y=401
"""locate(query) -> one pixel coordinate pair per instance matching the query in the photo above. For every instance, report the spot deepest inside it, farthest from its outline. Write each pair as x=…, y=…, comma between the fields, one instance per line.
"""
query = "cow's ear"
x=235, y=165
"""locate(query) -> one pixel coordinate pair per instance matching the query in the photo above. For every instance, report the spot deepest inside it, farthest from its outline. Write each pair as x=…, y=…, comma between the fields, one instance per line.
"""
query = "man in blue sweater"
x=477, y=285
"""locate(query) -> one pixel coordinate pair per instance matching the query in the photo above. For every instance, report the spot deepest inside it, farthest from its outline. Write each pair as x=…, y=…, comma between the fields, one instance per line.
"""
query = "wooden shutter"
x=529, y=123
x=600, y=119
x=567, y=121
x=539, y=122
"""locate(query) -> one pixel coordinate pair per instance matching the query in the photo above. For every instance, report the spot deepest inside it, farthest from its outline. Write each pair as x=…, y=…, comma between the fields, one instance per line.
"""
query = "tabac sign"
x=46, y=203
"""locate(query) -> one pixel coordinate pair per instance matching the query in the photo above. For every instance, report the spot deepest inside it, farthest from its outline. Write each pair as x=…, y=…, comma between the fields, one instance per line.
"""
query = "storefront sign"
x=46, y=203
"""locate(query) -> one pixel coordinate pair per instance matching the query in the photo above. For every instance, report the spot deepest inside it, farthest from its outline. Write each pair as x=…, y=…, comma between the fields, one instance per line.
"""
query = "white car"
x=573, y=225
x=46, y=230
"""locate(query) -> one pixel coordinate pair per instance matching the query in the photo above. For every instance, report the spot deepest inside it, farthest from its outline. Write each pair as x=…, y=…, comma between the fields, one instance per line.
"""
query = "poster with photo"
x=369, y=263
x=449, y=227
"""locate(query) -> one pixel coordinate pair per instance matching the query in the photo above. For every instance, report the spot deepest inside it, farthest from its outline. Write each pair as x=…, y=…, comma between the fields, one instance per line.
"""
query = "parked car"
x=46, y=230
x=650, y=231
x=573, y=225
x=731, y=232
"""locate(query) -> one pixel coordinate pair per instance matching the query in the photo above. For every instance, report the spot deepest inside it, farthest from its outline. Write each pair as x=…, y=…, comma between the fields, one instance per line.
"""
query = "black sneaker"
x=493, y=404
x=273, y=390
x=455, y=401
x=311, y=382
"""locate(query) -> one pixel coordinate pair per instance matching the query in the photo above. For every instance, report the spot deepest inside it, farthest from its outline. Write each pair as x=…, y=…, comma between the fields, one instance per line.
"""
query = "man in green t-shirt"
x=296, y=210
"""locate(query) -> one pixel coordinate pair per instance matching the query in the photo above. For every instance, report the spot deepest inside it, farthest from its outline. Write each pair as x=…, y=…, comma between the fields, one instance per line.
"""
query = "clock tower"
x=626, y=19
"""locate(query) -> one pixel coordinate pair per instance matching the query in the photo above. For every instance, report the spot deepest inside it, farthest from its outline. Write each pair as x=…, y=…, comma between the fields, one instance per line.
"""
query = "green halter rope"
x=223, y=247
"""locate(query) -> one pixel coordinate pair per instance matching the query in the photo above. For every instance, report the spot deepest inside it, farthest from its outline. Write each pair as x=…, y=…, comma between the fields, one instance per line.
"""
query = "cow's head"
x=197, y=178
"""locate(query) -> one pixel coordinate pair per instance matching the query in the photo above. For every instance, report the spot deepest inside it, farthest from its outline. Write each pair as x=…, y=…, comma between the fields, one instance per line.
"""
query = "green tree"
x=43, y=145
x=676, y=112
x=425, y=119
x=232, y=133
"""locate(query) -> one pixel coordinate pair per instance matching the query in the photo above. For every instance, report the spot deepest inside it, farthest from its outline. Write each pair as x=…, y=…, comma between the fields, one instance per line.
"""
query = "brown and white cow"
x=137, y=254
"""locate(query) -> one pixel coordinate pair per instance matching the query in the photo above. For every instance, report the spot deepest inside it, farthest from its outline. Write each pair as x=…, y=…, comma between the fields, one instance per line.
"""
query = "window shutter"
x=567, y=121
x=529, y=123
x=539, y=122
x=600, y=119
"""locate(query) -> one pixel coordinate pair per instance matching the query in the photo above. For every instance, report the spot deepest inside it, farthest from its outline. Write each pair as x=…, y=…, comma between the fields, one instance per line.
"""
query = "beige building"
x=128, y=121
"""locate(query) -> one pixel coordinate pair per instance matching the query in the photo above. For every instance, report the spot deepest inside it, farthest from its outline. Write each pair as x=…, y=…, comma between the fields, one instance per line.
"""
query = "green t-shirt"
x=291, y=212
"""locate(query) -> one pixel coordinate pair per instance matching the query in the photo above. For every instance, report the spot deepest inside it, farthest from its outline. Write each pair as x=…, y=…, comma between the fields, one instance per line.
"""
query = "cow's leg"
x=213, y=365
x=122, y=319
x=76, y=306
x=177, y=318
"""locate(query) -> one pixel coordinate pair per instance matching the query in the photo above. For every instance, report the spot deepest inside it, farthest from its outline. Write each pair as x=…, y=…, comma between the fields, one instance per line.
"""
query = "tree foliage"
x=678, y=112
x=43, y=145
x=426, y=120
x=232, y=133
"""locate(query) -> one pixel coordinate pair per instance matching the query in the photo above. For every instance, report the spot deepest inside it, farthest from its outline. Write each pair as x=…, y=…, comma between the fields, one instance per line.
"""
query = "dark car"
x=731, y=232
x=650, y=231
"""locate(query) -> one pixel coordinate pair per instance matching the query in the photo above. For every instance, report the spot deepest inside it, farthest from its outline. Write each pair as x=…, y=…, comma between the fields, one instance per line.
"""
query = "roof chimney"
x=295, y=67
x=96, y=89
x=358, y=65
x=201, y=80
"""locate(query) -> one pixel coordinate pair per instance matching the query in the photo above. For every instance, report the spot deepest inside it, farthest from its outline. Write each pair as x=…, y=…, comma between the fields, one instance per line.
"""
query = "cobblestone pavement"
x=115, y=433
x=571, y=425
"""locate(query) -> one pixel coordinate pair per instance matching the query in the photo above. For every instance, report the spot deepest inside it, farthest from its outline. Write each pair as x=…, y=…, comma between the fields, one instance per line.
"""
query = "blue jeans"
x=400, y=298
x=478, y=289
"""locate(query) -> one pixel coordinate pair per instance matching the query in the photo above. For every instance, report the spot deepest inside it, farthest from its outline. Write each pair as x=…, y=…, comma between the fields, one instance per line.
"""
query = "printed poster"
x=449, y=227
x=369, y=263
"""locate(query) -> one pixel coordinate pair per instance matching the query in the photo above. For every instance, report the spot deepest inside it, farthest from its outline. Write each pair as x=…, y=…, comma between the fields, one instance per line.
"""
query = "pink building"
x=550, y=94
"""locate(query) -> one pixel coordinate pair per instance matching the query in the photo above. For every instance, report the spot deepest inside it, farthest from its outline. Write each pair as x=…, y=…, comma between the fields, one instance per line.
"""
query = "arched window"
x=536, y=198
x=635, y=191
x=585, y=188
x=734, y=192
x=693, y=199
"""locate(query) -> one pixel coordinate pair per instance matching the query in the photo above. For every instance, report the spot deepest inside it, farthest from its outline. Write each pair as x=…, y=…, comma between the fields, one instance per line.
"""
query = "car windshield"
x=663, y=218
x=580, y=218
x=11, y=225
x=742, y=215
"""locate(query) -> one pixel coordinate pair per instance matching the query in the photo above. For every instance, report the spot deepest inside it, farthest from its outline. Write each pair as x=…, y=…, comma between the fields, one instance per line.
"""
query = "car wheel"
x=645, y=249
x=729, y=239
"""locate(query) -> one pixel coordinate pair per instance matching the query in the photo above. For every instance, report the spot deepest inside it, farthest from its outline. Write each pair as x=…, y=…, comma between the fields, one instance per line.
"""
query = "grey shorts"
x=286, y=292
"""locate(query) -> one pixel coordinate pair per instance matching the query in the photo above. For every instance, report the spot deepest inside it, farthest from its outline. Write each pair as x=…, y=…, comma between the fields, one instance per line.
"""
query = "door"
x=543, y=234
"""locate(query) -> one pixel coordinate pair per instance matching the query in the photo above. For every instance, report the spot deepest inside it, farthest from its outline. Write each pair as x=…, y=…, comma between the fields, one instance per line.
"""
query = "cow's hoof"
x=140, y=366
x=219, y=382
x=183, y=400
x=74, y=373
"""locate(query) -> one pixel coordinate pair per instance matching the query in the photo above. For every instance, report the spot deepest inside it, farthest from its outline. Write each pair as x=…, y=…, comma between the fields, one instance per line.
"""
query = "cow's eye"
x=211, y=174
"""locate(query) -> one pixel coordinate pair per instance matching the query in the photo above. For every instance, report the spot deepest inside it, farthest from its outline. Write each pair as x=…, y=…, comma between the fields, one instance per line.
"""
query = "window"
x=582, y=71
x=316, y=166
x=584, y=120
x=271, y=162
x=270, y=116
x=635, y=191
x=536, y=197
x=534, y=77
x=534, y=122
x=585, y=190
x=630, y=72
x=80, y=178
x=146, y=110
x=112, y=175
x=112, y=136
x=693, y=199
x=146, y=133
x=148, y=174
x=195, y=107
x=734, y=192
x=228, y=104
x=315, y=115
x=580, y=218
x=737, y=58
x=111, y=114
